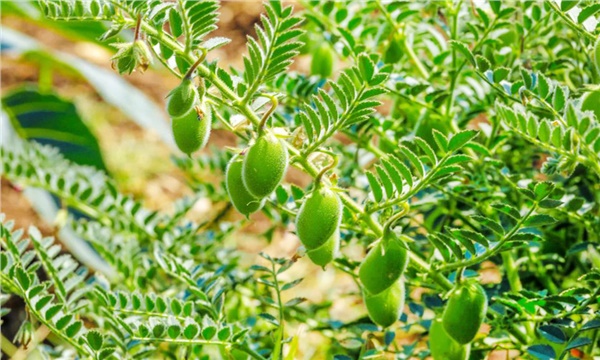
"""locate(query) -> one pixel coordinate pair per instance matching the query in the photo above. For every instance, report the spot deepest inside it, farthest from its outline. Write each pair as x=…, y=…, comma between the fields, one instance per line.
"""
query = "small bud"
x=24, y=334
x=131, y=56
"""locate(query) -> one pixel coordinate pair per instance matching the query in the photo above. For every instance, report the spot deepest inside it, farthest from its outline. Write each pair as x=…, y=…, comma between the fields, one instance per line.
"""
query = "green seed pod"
x=394, y=51
x=242, y=200
x=597, y=55
x=385, y=308
x=182, y=99
x=319, y=217
x=591, y=102
x=443, y=347
x=325, y=254
x=265, y=165
x=322, y=61
x=383, y=265
x=192, y=130
x=465, y=312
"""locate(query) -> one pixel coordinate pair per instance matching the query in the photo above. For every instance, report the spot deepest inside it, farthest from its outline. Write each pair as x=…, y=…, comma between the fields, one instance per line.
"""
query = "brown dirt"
x=16, y=207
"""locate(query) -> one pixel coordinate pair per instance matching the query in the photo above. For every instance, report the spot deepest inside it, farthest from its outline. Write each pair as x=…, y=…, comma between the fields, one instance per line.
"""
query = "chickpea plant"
x=448, y=139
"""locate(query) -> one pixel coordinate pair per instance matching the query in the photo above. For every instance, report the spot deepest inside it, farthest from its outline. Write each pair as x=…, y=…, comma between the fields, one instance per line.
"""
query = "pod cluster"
x=381, y=277
x=253, y=175
x=191, y=118
x=318, y=224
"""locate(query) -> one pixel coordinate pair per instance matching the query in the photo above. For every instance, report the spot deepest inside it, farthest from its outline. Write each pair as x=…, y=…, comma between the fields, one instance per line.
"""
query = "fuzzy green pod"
x=385, y=308
x=465, y=311
x=322, y=61
x=182, y=99
x=191, y=131
x=591, y=102
x=443, y=347
x=325, y=254
x=319, y=217
x=242, y=200
x=383, y=265
x=265, y=165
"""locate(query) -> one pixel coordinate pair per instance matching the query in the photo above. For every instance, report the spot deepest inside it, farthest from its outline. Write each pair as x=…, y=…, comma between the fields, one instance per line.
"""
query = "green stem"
x=190, y=72
x=415, y=59
x=281, y=330
x=146, y=313
x=512, y=272
x=570, y=22
x=455, y=70
x=258, y=80
x=392, y=220
x=479, y=42
x=595, y=337
x=186, y=26
x=542, y=275
x=459, y=275
x=164, y=63
x=243, y=347
x=268, y=113
x=325, y=169
x=136, y=34
x=7, y=346
x=409, y=51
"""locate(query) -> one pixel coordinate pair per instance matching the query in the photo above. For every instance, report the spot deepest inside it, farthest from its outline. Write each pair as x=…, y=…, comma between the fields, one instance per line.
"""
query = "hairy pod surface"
x=325, y=253
x=591, y=102
x=242, y=200
x=383, y=265
x=322, y=61
x=192, y=130
x=443, y=347
x=319, y=217
x=385, y=308
x=465, y=311
x=265, y=165
x=182, y=99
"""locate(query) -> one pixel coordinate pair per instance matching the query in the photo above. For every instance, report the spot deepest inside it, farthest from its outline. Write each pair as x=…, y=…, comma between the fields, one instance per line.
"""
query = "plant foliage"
x=463, y=129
